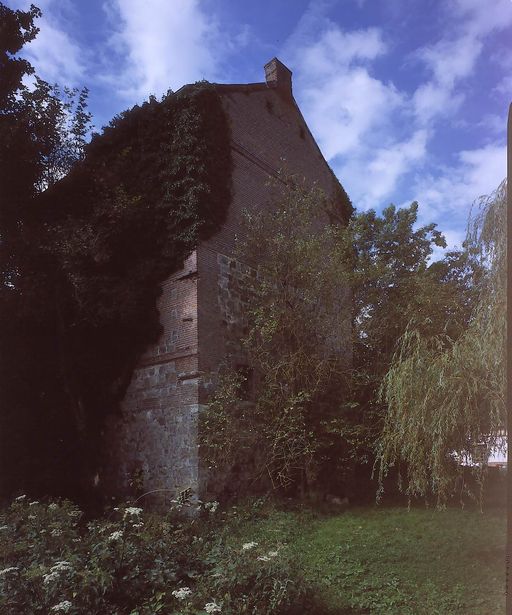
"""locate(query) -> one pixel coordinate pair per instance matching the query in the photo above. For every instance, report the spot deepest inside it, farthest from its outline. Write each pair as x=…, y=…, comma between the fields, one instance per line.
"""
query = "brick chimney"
x=278, y=76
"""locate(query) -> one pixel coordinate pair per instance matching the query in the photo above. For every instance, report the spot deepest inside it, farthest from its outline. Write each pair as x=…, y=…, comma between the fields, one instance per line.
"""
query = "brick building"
x=154, y=443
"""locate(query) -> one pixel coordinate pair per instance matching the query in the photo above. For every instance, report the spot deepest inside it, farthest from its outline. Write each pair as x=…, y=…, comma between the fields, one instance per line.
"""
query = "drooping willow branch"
x=446, y=398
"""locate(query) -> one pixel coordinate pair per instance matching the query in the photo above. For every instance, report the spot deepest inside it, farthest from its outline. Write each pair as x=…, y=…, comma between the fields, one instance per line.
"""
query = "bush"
x=130, y=562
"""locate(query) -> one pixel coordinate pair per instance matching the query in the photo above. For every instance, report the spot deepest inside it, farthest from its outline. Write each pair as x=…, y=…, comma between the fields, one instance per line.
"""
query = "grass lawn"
x=389, y=560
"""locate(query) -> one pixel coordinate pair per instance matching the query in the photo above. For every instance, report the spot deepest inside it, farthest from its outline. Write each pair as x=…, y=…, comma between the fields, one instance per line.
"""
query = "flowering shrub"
x=52, y=560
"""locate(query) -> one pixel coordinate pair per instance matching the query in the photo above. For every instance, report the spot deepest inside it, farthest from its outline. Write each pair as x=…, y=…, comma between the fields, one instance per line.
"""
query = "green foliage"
x=83, y=261
x=313, y=417
x=394, y=285
x=129, y=562
x=297, y=341
x=42, y=132
x=445, y=396
x=390, y=267
x=61, y=123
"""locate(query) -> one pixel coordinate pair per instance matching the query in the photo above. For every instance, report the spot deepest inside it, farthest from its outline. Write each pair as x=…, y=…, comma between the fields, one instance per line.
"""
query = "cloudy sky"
x=407, y=98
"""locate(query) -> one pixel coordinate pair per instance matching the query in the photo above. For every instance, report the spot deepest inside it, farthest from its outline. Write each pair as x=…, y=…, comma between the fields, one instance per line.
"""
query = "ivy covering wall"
x=99, y=245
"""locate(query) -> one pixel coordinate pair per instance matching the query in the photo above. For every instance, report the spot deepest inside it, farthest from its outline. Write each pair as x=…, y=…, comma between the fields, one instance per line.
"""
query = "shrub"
x=52, y=560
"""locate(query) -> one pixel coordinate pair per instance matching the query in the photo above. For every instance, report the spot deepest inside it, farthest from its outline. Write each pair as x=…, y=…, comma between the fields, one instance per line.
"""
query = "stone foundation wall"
x=153, y=441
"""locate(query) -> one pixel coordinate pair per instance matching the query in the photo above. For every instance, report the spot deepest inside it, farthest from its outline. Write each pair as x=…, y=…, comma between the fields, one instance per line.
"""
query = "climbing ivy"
x=101, y=242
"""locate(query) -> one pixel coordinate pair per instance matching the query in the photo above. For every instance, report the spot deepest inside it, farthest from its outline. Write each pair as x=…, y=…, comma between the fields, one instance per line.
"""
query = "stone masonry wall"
x=153, y=442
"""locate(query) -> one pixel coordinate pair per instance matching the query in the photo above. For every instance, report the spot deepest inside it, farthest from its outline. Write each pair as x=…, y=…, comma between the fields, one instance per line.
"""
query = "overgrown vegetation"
x=316, y=415
x=88, y=233
x=396, y=286
x=446, y=396
x=55, y=561
x=83, y=261
x=256, y=558
x=297, y=342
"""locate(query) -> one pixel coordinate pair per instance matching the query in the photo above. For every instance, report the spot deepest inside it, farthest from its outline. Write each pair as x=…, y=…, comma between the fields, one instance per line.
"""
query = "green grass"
x=389, y=560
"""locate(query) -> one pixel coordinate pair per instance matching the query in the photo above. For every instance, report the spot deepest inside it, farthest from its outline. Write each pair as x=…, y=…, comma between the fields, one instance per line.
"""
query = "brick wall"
x=154, y=439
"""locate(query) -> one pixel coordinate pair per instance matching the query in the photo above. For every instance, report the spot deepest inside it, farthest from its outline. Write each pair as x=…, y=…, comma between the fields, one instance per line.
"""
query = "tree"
x=390, y=268
x=446, y=396
x=314, y=416
x=42, y=134
x=89, y=247
x=393, y=284
x=297, y=342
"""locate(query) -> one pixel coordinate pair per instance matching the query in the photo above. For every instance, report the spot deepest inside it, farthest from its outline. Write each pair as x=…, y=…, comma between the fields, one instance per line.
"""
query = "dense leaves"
x=445, y=395
x=309, y=419
x=395, y=285
x=83, y=258
x=297, y=341
x=52, y=560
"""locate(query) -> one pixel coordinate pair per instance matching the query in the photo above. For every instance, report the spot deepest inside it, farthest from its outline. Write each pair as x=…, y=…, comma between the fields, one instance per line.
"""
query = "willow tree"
x=446, y=397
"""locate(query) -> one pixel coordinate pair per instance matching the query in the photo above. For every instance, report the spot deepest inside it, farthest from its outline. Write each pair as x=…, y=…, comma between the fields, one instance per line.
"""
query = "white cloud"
x=336, y=48
x=340, y=99
x=163, y=44
x=485, y=168
x=54, y=55
x=376, y=136
x=431, y=100
x=345, y=108
x=482, y=18
x=505, y=86
x=495, y=124
x=351, y=112
x=390, y=163
x=449, y=62
x=453, y=58
x=372, y=175
x=446, y=195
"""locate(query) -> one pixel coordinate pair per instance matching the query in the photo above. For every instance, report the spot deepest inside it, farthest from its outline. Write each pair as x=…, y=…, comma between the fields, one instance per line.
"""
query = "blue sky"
x=407, y=98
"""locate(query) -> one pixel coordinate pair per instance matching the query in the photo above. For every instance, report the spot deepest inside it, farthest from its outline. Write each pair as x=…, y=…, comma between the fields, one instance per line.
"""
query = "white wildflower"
x=56, y=532
x=4, y=527
x=56, y=570
x=63, y=606
x=117, y=535
x=249, y=545
x=50, y=577
x=182, y=593
x=62, y=564
x=34, y=503
x=53, y=506
x=212, y=607
x=264, y=558
x=132, y=511
x=8, y=570
x=211, y=506
x=273, y=553
x=137, y=526
x=20, y=498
